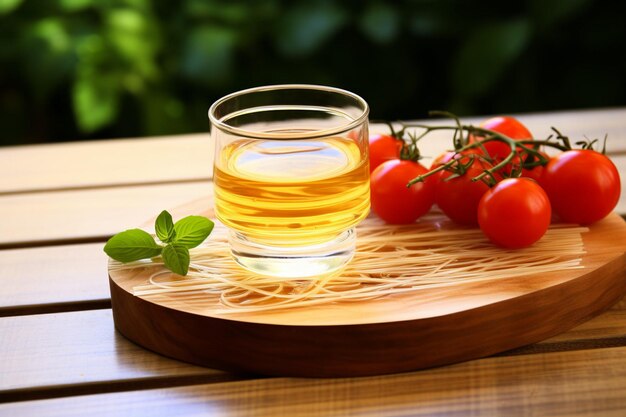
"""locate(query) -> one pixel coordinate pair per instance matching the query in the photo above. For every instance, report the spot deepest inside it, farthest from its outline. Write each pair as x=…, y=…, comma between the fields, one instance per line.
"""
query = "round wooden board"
x=387, y=335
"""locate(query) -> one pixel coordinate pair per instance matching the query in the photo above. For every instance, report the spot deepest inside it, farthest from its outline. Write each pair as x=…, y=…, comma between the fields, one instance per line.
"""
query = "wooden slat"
x=105, y=163
x=56, y=278
x=55, y=354
x=189, y=157
x=580, y=383
x=44, y=218
x=610, y=324
x=593, y=124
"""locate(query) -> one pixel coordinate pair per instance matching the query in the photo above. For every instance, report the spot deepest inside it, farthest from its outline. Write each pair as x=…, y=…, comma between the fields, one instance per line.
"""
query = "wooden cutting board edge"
x=375, y=348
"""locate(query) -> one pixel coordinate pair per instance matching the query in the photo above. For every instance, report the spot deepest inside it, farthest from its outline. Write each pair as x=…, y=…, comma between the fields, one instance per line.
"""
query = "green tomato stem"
x=461, y=144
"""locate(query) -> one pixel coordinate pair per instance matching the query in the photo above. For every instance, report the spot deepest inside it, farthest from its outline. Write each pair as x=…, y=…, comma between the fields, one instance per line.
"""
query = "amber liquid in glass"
x=292, y=193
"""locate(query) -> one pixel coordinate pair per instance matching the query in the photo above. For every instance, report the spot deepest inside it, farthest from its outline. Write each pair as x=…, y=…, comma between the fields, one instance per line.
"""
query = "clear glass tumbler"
x=291, y=176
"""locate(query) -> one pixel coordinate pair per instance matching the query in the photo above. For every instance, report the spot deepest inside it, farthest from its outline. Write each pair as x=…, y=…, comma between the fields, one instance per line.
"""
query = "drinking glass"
x=291, y=176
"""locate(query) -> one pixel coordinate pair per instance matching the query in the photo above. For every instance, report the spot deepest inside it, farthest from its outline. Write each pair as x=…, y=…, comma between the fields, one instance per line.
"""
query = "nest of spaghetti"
x=434, y=252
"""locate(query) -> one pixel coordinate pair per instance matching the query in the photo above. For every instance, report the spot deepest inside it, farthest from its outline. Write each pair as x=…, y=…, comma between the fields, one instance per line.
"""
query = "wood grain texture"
x=53, y=354
x=44, y=218
x=428, y=328
x=611, y=324
x=105, y=163
x=53, y=278
x=575, y=384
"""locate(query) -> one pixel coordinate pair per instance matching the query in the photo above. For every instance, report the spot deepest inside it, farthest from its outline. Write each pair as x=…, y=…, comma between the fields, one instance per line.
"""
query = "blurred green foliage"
x=73, y=69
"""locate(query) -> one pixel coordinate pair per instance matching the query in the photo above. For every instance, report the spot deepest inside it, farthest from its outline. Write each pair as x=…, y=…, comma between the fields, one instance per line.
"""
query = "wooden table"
x=60, y=354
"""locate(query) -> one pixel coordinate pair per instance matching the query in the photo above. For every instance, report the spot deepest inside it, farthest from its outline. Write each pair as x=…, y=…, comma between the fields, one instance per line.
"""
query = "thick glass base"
x=296, y=261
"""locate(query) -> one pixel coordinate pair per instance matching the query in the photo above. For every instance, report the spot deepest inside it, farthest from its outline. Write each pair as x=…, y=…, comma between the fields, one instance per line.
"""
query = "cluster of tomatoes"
x=499, y=179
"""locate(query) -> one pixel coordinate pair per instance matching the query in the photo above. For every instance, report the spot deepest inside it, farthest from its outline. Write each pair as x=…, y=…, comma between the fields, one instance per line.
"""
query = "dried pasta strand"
x=389, y=260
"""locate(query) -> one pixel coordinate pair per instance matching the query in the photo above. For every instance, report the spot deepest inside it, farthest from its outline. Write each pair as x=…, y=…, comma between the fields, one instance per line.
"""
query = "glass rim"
x=299, y=135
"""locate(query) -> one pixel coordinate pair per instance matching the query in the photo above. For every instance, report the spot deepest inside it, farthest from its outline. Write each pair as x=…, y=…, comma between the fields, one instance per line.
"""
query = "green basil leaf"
x=176, y=258
x=132, y=245
x=192, y=231
x=164, y=227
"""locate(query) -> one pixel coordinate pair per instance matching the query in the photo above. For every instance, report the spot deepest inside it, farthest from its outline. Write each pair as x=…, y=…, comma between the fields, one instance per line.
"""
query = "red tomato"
x=583, y=186
x=458, y=197
x=515, y=163
x=392, y=201
x=515, y=213
x=535, y=172
x=508, y=126
x=383, y=148
x=437, y=162
x=446, y=157
x=442, y=159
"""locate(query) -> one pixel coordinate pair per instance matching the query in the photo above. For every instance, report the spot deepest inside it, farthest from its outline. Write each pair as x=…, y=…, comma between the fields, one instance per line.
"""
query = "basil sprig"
x=176, y=240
